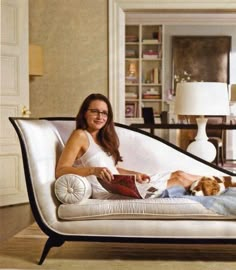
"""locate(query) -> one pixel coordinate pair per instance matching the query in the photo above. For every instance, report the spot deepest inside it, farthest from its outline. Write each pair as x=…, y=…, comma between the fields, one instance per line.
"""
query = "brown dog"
x=209, y=186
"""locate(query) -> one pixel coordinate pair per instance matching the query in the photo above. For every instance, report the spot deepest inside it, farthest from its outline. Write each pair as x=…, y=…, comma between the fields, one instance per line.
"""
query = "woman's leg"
x=182, y=178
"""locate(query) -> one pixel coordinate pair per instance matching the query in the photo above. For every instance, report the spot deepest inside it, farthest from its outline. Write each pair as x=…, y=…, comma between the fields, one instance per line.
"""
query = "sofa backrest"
x=41, y=146
x=151, y=154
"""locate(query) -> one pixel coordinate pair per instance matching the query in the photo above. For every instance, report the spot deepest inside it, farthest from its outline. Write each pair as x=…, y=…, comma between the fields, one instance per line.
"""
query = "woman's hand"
x=103, y=173
x=142, y=178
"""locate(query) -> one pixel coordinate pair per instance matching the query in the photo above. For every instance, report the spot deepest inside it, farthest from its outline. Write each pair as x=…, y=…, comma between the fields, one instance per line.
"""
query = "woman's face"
x=96, y=115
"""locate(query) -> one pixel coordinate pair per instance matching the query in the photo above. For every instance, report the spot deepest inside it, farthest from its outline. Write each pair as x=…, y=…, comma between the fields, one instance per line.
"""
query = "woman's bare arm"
x=140, y=177
x=74, y=148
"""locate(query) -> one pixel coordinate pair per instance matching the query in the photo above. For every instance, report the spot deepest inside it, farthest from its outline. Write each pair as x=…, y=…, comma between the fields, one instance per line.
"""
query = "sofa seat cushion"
x=71, y=188
x=165, y=208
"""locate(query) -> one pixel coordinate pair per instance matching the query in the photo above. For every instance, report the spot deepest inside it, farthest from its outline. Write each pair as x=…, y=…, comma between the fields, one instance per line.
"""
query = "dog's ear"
x=218, y=179
x=210, y=187
x=228, y=181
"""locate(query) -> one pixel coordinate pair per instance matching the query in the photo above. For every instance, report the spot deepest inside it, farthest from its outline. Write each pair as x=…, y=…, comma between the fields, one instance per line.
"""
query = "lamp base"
x=201, y=147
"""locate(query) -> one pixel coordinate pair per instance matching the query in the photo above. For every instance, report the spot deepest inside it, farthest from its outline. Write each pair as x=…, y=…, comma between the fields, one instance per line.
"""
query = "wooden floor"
x=13, y=219
x=24, y=250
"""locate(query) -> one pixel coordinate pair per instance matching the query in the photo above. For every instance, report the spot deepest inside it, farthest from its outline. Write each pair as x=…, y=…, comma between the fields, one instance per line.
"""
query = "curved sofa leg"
x=51, y=242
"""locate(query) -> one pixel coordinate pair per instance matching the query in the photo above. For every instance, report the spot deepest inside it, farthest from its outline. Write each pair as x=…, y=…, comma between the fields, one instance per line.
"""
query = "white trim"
x=127, y=5
x=116, y=62
x=183, y=18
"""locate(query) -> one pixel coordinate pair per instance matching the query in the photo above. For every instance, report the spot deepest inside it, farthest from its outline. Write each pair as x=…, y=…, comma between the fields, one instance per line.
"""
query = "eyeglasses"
x=96, y=112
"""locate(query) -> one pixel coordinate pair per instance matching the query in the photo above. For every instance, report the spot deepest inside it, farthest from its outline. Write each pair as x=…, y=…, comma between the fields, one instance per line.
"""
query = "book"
x=150, y=41
x=126, y=185
x=156, y=75
x=150, y=57
x=148, y=96
x=150, y=54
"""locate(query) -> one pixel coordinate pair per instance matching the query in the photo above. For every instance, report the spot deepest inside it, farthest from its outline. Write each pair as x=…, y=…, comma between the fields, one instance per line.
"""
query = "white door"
x=14, y=95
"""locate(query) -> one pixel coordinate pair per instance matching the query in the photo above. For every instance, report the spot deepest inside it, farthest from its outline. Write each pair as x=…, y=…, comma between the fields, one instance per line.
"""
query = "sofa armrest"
x=71, y=189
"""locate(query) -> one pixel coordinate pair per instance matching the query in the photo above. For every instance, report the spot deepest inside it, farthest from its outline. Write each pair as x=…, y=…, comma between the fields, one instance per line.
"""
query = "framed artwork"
x=200, y=58
x=130, y=109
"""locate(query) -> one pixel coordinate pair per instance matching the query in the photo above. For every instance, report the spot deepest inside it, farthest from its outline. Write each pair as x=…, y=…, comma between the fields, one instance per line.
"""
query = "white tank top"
x=95, y=156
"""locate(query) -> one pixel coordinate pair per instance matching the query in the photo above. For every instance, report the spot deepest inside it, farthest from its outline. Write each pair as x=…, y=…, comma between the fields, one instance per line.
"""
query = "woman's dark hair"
x=107, y=136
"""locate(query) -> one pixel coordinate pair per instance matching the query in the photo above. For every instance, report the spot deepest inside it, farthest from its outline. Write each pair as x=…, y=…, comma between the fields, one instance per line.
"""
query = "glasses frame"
x=96, y=112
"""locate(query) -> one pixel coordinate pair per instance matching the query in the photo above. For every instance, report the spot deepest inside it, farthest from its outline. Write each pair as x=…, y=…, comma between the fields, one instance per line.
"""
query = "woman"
x=93, y=151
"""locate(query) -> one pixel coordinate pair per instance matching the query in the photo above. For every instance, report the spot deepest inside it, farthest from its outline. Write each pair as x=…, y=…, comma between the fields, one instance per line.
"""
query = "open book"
x=126, y=185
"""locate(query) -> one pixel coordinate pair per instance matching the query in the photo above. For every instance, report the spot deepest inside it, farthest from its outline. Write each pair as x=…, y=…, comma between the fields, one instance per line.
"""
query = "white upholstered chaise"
x=167, y=220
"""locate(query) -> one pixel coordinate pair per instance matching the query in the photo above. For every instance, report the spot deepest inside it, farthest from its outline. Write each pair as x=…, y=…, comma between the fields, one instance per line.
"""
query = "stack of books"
x=150, y=41
x=150, y=54
x=131, y=38
x=131, y=79
x=131, y=95
x=151, y=94
x=130, y=53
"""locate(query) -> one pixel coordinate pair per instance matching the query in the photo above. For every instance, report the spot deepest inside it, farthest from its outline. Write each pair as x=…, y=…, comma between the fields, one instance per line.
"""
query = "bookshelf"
x=143, y=70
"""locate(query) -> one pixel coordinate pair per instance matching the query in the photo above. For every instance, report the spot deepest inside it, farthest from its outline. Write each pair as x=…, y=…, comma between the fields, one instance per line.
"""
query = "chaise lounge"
x=69, y=213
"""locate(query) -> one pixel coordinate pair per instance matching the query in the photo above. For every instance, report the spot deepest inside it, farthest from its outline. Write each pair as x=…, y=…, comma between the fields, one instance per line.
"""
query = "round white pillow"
x=72, y=188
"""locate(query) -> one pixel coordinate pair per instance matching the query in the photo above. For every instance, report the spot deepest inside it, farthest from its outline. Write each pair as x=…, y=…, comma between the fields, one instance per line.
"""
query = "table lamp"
x=202, y=99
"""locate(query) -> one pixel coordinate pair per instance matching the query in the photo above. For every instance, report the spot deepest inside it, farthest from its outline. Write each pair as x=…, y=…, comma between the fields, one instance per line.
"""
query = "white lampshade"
x=202, y=98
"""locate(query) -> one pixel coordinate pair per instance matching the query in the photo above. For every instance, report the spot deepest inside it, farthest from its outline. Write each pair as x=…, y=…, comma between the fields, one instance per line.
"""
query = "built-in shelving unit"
x=143, y=70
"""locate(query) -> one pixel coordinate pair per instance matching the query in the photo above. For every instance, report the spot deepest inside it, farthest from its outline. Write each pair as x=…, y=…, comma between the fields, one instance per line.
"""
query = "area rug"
x=24, y=250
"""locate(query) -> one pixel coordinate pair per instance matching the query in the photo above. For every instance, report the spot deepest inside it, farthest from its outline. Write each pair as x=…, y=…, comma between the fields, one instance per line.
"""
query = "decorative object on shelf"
x=132, y=69
x=202, y=99
x=130, y=109
x=35, y=60
x=132, y=73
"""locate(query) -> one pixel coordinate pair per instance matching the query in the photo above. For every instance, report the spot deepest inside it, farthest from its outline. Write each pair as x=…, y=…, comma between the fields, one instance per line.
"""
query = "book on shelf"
x=126, y=185
x=131, y=38
x=155, y=75
x=131, y=95
x=150, y=41
x=150, y=54
x=131, y=79
x=150, y=96
x=150, y=57
x=130, y=53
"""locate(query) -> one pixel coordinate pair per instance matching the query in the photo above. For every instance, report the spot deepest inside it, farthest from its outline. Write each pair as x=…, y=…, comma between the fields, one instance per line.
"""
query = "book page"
x=127, y=185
